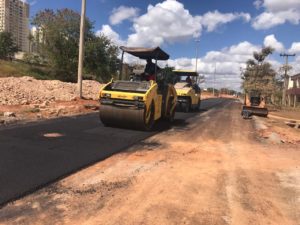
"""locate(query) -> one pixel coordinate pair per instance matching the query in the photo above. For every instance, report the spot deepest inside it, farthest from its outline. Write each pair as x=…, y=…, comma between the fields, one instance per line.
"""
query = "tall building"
x=14, y=18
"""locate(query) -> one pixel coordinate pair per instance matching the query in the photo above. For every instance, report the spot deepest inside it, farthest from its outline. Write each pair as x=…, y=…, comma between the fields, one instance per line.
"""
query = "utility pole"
x=286, y=77
x=81, y=48
x=214, y=79
x=197, y=52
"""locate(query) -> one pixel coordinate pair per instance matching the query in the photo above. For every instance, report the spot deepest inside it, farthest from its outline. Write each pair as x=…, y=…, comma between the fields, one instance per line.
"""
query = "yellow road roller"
x=188, y=91
x=141, y=101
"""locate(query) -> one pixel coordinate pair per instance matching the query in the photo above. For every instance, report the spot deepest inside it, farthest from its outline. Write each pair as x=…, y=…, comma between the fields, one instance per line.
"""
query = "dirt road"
x=214, y=170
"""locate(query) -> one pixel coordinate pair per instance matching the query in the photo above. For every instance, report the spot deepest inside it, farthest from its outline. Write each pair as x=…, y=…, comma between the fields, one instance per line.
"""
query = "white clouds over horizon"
x=169, y=22
x=277, y=12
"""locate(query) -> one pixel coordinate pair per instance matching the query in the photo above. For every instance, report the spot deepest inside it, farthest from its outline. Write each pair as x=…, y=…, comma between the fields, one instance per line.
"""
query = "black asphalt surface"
x=29, y=160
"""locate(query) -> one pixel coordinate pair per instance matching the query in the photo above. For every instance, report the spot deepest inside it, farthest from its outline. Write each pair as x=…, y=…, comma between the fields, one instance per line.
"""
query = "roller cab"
x=137, y=104
x=188, y=91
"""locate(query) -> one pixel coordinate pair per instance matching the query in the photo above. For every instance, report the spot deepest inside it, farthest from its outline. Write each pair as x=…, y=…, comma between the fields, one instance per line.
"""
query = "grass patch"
x=19, y=69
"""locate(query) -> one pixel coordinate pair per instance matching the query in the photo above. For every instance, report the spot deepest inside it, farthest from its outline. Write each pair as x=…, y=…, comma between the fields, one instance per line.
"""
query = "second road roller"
x=188, y=91
x=144, y=99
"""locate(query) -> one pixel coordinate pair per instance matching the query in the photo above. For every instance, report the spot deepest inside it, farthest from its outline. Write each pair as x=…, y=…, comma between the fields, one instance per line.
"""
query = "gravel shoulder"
x=25, y=99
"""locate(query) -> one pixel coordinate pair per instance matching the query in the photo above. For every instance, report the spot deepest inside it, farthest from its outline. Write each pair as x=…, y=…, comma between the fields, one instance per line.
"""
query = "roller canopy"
x=185, y=73
x=146, y=53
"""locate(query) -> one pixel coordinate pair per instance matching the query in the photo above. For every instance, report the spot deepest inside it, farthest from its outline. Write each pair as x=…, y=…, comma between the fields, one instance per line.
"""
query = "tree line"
x=56, y=42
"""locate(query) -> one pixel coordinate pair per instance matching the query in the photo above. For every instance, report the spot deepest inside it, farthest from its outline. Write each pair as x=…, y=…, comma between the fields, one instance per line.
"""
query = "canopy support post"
x=121, y=66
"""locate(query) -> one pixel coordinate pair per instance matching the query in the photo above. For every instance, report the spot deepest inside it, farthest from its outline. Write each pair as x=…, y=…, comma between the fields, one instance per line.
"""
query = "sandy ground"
x=213, y=170
x=293, y=114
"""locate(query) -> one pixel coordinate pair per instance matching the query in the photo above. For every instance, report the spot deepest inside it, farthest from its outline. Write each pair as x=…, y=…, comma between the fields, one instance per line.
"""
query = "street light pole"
x=81, y=48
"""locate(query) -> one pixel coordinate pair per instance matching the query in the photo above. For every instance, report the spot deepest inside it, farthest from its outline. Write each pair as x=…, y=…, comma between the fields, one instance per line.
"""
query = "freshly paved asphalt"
x=29, y=160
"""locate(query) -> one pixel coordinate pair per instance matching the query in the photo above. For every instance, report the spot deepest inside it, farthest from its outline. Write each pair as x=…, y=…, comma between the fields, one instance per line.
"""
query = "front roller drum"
x=127, y=117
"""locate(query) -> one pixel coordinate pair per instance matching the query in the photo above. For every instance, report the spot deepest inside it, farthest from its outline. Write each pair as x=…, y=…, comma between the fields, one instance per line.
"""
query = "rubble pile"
x=28, y=90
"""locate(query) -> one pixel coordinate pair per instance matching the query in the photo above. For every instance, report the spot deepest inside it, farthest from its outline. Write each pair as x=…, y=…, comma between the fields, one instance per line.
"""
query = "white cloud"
x=31, y=3
x=277, y=12
x=243, y=48
x=295, y=48
x=258, y=4
x=279, y=5
x=123, y=13
x=271, y=41
x=212, y=20
x=168, y=21
x=228, y=62
x=111, y=34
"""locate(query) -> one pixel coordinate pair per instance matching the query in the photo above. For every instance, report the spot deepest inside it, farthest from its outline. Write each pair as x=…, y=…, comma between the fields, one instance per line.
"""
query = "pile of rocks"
x=27, y=90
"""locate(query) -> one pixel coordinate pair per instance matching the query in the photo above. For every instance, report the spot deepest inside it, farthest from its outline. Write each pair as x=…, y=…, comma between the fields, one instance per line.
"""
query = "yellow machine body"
x=189, y=95
x=254, y=104
x=131, y=106
x=138, y=103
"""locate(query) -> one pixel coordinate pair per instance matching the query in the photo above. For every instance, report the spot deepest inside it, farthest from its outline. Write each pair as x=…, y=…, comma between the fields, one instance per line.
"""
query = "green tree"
x=259, y=75
x=7, y=46
x=101, y=58
x=59, y=40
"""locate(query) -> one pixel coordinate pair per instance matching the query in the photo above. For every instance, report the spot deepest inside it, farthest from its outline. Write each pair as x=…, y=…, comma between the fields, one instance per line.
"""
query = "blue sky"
x=229, y=31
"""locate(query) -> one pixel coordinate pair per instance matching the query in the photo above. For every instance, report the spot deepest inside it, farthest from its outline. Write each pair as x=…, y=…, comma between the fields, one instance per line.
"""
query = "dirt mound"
x=27, y=90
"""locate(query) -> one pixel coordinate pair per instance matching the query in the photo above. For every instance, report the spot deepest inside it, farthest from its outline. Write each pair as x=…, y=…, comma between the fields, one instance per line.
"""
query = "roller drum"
x=118, y=116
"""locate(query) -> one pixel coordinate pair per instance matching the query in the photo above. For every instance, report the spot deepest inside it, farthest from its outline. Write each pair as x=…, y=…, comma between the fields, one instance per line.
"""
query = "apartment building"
x=14, y=18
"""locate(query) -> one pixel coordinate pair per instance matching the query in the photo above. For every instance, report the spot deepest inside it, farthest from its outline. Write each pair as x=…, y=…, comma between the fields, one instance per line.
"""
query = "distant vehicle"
x=143, y=100
x=188, y=91
x=254, y=104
